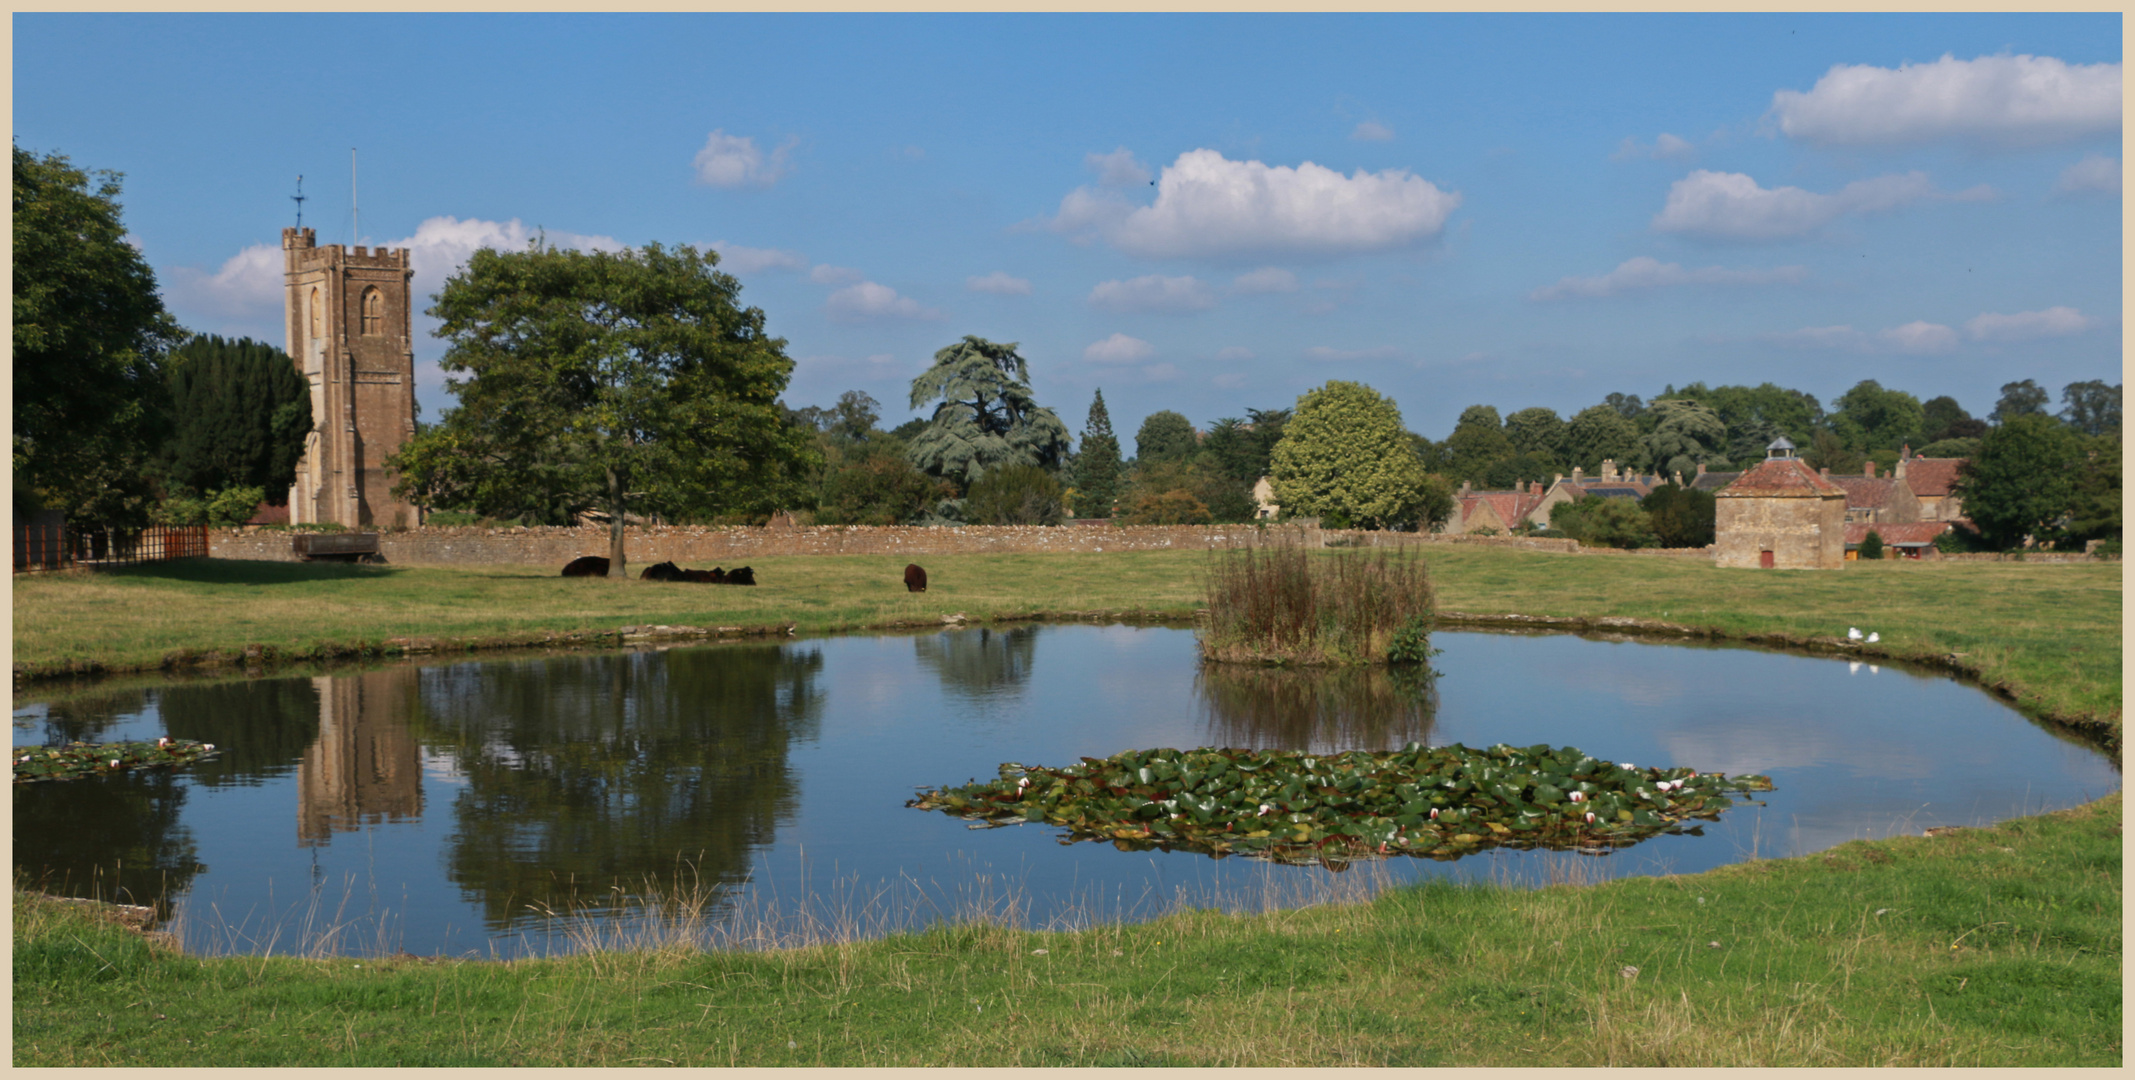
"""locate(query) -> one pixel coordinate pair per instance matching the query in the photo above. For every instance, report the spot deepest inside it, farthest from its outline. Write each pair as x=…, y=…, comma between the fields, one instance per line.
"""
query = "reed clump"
x=1279, y=605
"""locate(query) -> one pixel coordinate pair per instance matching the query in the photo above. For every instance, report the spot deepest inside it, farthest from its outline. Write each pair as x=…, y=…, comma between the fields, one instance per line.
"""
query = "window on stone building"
x=373, y=312
x=318, y=315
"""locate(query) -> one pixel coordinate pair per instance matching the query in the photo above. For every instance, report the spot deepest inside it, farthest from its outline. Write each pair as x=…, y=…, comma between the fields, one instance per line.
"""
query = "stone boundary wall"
x=702, y=547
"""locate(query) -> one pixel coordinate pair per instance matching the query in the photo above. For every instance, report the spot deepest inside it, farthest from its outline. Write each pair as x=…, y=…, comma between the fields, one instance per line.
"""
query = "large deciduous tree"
x=1869, y=417
x=2022, y=480
x=1686, y=434
x=1600, y=433
x=986, y=417
x=90, y=335
x=2025, y=397
x=239, y=414
x=1478, y=441
x=1345, y=456
x=1537, y=432
x=2093, y=408
x=1165, y=436
x=628, y=381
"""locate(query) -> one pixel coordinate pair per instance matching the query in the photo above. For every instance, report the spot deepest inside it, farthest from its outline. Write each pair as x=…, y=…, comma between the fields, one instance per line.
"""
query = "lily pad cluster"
x=1289, y=806
x=76, y=760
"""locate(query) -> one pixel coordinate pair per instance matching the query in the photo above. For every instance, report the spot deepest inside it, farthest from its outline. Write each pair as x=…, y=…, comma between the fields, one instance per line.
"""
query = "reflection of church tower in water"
x=347, y=314
x=366, y=766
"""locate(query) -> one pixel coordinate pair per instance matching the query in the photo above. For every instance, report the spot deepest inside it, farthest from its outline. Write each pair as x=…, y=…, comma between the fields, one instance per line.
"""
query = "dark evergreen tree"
x=1943, y=418
x=239, y=413
x=1097, y=464
x=1682, y=517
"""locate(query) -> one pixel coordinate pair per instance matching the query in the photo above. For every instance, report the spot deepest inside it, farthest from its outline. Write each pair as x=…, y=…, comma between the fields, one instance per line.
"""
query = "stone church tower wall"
x=351, y=335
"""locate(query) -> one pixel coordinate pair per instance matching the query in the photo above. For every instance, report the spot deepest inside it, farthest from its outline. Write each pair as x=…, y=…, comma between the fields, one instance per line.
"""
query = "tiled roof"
x=1781, y=478
x=1866, y=493
x=1931, y=477
x=1908, y=533
x=1619, y=490
x=1713, y=481
x=1510, y=506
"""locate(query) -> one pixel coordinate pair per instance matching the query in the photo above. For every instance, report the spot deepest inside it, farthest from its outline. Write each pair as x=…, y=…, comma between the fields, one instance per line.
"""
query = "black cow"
x=741, y=575
x=665, y=571
x=915, y=578
x=714, y=576
x=587, y=566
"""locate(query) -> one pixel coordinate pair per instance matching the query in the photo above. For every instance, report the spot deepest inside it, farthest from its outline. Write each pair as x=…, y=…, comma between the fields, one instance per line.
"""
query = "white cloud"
x=999, y=283
x=1118, y=349
x=2094, y=173
x=1730, y=206
x=1267, y=279
x=1117, y=169
x=249, y=283
x=2026, y=325
x=1918, y=338
x=1324, y=353
x=870, y=302
x=736, y=259
x=1999, y=100
x=1234, y=353
x=441, y=245
x=1151, y=292
x=1372, y=131
x=1209, y=206
x=826, y=274
x=732, y=161
x=1646, y=272
x=1665, y=148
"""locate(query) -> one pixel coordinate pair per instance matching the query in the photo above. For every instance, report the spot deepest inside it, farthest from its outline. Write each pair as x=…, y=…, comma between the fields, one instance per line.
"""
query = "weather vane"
x=299, y=197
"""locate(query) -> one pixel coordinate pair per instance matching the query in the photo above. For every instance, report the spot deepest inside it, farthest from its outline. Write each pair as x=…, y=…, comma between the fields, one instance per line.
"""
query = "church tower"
x=351, y=335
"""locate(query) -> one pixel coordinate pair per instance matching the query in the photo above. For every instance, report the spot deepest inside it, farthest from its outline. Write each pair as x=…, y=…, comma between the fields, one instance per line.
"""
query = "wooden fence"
x=48, y=545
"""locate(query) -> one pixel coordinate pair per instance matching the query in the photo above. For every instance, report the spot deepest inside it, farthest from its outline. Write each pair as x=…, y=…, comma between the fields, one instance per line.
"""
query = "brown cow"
x=741, y=575
x=665, y=571
x=915, y=578
x=587, y=566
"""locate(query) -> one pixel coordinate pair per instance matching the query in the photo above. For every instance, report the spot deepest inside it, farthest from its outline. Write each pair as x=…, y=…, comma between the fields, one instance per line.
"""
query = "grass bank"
x=1994, y=946
x=2047, y=636
x=1986, y=947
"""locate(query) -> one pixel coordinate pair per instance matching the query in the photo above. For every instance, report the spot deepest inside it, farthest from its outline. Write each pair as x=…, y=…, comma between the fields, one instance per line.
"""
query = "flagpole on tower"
x=355, y=216
x=299, y=197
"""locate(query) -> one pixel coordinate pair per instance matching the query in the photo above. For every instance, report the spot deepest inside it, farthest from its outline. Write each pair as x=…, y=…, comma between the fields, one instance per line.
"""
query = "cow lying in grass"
x=667, y=571
x=586, y=566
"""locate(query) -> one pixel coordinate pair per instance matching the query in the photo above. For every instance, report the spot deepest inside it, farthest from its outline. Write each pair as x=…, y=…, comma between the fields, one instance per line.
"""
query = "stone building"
x=1780, y=515
x=1877, y=499
x=350, y=333
x=1932, y=481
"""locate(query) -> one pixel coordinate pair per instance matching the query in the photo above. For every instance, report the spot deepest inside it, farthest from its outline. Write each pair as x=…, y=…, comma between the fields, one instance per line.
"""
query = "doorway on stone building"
x=1764, y=560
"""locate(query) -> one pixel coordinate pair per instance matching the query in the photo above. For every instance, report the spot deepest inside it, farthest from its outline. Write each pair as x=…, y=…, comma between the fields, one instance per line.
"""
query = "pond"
x=519, y=806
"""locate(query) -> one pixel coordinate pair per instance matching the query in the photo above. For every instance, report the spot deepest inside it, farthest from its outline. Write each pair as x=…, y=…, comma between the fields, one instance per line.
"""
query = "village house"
x=1931, y=481
x=1531, y=503
x=1910, y=539
x=1780, y=515
x=1877, y=499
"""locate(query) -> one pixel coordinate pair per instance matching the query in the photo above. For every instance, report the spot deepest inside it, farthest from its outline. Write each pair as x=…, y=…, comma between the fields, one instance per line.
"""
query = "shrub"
x=1599, y=521
x=881, y=489
x=1872, y=545
x=1175, y=507
x=1279, y=605
x=1016, y=495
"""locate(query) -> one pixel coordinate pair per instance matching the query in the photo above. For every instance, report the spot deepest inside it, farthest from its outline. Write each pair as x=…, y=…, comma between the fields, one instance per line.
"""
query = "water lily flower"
x=114, y=763
x=1434, y=813
x=1578, y=796
x=1590, y=817
x=1625, y=765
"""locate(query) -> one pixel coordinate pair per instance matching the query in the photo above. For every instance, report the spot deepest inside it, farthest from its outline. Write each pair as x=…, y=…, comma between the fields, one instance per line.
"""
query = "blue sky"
x=1507, y=210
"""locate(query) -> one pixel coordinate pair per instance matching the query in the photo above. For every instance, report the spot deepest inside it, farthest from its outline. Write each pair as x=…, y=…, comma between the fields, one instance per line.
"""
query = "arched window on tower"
x=373, y=312
x=318, y=315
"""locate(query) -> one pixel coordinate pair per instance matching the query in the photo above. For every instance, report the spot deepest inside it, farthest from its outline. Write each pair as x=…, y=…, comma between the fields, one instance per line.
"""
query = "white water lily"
x=1578, y=796
x=1590, y=817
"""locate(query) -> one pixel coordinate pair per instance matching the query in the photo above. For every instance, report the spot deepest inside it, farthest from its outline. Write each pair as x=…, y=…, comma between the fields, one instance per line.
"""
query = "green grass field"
x=1984, y=947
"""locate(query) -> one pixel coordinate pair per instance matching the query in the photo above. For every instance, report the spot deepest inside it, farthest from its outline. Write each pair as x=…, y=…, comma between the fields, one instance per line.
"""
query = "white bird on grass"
x=1853, y=633
x=1873, y=638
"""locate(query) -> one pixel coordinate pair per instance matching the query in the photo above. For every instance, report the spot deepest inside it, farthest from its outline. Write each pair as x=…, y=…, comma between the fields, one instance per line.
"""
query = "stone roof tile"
x=1931, y=477
x=1781, y=478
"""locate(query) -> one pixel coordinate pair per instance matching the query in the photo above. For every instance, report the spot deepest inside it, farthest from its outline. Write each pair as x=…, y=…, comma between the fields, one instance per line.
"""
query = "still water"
x=457, y=808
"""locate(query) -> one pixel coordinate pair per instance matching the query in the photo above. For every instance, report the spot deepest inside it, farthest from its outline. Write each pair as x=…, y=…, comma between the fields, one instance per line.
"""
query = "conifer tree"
x=1097, y=465
x=240, y=412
